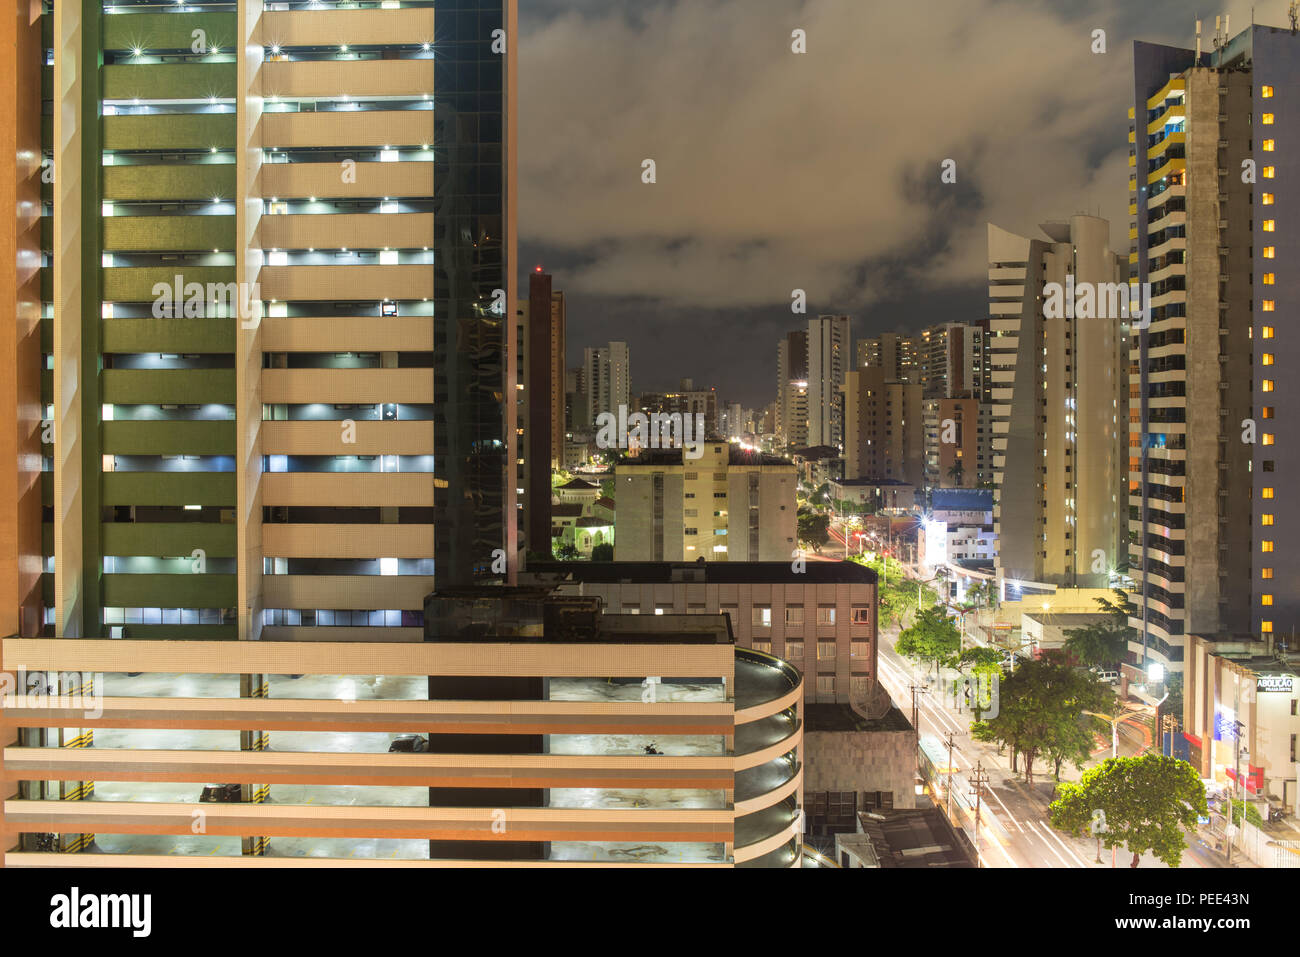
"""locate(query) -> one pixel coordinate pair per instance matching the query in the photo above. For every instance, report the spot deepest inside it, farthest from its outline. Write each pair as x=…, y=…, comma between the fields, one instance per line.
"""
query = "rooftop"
x=578, y=484
x=735, y=456
x=919, y=837
x=965, y=499
x=841, y=717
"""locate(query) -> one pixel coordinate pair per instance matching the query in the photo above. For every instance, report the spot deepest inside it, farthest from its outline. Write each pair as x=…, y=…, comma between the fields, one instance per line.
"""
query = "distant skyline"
x=695, y=271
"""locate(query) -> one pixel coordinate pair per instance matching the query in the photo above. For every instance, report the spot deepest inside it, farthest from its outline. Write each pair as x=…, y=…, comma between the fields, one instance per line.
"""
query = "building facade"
x=828, y=362
x=1213, y=144
x=724, y=505
x=884, y=430
x=822, y=620
x=1060, y=396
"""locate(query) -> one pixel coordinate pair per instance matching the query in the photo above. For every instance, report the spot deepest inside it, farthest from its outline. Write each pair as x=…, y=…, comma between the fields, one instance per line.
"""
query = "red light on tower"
x=538, y=269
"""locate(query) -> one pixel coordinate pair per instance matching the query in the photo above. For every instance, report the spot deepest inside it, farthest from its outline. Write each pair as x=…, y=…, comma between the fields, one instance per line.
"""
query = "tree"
x=981, y=594
x=1039, y=708
x=957, y=473
x=981, y=663
x=1144, y=803
x=814, y=529
x=1100, y=643
x=932, y=638
x=567, y=552
x=604, y=552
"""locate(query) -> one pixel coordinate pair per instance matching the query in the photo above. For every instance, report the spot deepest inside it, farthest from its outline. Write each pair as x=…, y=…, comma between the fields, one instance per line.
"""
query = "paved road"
x=1014, y=830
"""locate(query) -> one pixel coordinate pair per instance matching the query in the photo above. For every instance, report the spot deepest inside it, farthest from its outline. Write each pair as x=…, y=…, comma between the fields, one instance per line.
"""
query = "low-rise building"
x=1231, y=679
x=821, y=619
x=880, y=495
x=720, y=503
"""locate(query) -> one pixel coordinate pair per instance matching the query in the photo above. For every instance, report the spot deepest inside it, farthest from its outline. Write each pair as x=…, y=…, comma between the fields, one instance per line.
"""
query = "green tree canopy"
x=604, y=552
x=814, y=529
x=1040, y=712
x=932, y=638
x=1143, y=804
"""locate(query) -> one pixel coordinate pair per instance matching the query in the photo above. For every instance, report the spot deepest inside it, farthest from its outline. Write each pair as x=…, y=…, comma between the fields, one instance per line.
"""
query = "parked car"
x=221, y=794
x=408, y=744
x=1110, y=677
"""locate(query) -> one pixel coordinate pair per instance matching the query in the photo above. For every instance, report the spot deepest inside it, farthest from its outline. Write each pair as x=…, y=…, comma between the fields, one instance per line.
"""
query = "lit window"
x=1266, y=119
x=1268, y=414
x=1266, y=546
x=1267, y=491
x=1265, y=91
x=1268, y=438
x=1270, y=172
x=1267, y=199
x=1268, y=332
x=1270, y=225
x=1268, y=385
x=1269, y=305
x=1266, y=573
x=1268, y=358
x=1270, y=146
x=1266, y=518
x=1266, y=600
x=1270, y=252
x=1270, y=279
x=1266, y=627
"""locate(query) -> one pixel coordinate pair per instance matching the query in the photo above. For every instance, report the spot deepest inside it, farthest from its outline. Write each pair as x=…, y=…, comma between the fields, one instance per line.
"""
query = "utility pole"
x=1238, y=727
x=915, y=710
x=978, y=780
x=948, y=808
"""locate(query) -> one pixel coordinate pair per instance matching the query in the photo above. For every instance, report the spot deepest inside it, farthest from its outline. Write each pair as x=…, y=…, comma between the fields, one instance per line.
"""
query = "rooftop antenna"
x=1227, y=30
x=1198, y=41
x=1295, y=16
x=1218, y=24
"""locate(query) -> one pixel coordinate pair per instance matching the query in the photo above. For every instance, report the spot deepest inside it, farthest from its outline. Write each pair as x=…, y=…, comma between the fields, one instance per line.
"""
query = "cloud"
x=779, y=171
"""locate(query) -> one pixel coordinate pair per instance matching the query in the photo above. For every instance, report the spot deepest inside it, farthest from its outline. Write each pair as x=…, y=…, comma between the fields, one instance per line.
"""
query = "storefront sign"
x=1284, y=683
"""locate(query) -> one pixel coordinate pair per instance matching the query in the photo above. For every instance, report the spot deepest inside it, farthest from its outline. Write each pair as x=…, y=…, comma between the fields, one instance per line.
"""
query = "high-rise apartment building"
x=541, y=354
x=270, y=334
x=896, y=353
x=792, y=390
x=828, y=361
x=883, y=437
x=1214, y=143
x=607, y=378
x=1060, y=401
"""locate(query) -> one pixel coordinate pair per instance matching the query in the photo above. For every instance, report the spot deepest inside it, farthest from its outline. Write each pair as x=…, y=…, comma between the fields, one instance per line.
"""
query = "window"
x=1268, y=332
x=1266, y=574
x=860, y=649
x=762, y=616
x=1268, y=359
x=663, y=609
x=691, y=531
x=1270, y=172
x=861, y=615
x=1267, y=492
x=1270, y=225
x=1266, y=600
x=1270, y=252
x=825, y=651
x=1270, y=146
x=794, y=615
x=826, y=685
x=763, y=646
x=826, y=615
x=1266, y=518
x=1267, y=386
x=1266, y=546
x=1265, y=92
x=1266, y=199
x=1269, y=438
x=1268, y=411
x=794, y=650
x=1266, y=119
x=1266, y=627
x=1270, y=279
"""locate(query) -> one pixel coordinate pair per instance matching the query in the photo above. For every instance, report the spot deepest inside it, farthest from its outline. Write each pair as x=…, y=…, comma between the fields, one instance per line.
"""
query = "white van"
x=1110, y=677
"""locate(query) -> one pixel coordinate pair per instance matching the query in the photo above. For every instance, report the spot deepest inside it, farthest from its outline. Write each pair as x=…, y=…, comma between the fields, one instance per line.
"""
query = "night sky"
x=817, y=171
